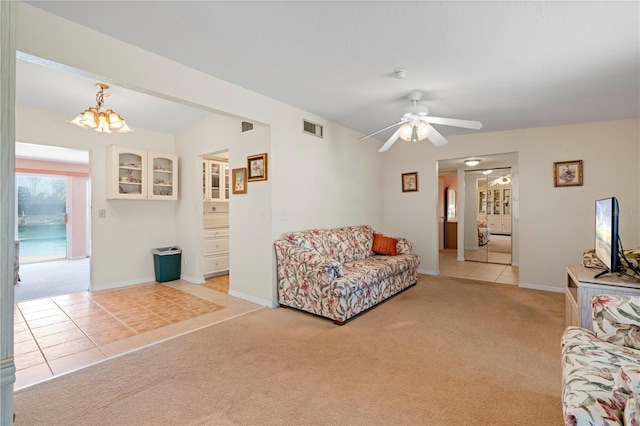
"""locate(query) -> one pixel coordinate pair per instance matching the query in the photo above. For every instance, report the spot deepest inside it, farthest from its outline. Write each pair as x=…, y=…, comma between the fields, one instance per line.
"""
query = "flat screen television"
x=607, y=234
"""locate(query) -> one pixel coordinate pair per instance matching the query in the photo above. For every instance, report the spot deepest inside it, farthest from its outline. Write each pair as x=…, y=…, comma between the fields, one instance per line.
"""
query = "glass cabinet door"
x=214, y=174
x=496, y=201
x=130, y=176
x=162, y=176
x=482, y=202
x=489, y=202
x=225, y=166
x=205, y=172
x=506, y=201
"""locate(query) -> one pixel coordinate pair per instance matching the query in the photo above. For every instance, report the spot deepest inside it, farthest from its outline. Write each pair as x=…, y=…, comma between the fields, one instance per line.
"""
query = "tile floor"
x=449, y=266
x=58, y=334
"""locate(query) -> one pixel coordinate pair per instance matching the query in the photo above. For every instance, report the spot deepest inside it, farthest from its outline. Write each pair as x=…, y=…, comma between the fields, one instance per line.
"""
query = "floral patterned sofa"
x=336, y=273
x=601, y=369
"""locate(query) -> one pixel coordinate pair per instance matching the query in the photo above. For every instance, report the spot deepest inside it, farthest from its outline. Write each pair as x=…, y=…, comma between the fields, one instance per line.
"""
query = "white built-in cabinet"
x=134, y=174
x=216, y=251
x=215, y=180
x=495, y=206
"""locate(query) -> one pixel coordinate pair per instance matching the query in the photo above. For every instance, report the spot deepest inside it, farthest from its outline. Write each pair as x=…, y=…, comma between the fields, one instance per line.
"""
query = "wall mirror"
x=452, y=214
x=488, y=226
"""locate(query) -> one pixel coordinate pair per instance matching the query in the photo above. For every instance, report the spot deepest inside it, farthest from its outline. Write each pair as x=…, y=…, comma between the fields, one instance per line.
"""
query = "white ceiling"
x=51, y=153
x=70, y=93
x=507, y=64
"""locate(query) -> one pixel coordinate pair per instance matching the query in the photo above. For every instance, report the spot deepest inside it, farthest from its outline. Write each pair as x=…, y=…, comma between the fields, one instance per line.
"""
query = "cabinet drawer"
x=216, y=264
x=216, y=232
x=216, y=245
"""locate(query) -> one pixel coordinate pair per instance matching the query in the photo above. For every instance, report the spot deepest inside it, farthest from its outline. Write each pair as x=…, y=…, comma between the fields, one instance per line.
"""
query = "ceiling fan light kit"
x=400, y=72
x=101, y=121
x=415, y=124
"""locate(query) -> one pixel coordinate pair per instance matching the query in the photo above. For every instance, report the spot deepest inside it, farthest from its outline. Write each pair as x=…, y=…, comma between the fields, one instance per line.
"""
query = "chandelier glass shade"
x=101, y=121
x=412, y=132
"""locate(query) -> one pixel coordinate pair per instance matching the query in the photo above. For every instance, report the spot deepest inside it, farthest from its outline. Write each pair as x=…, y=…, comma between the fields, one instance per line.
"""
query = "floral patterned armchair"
x=601, y=369
x=484, y=236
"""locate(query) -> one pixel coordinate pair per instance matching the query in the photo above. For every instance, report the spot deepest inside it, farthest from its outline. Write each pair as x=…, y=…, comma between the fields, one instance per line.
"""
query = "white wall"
x=312, y=182
x=121, y=243
x=556, y=224
x=340, y=180
x=249, y=214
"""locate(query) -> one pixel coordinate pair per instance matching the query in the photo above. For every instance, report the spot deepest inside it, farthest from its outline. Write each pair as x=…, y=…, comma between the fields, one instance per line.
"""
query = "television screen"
x=607, y=233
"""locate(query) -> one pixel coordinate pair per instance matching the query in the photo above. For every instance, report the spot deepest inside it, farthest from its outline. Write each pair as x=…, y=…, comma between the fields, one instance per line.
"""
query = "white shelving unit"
x=215, y=180
x=494, y=206
x=134, y=174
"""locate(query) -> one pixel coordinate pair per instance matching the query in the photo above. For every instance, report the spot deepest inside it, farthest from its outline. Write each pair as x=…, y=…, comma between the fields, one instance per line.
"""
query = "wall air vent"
x=247, y=127
x=312, y=128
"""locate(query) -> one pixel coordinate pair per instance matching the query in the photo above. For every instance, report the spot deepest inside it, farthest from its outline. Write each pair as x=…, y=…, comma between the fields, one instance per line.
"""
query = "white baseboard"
x=110, y=286
x=253, y=299
x=192, y=280
x=427, y=272
x=460, y=259
x=515, y=264
x=542, y=287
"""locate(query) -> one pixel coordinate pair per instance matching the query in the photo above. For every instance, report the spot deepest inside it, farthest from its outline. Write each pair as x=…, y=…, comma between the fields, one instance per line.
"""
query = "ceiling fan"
x=415, y=125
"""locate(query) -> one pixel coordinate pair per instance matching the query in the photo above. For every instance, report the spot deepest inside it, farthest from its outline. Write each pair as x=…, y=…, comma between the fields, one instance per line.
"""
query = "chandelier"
x=101, y=121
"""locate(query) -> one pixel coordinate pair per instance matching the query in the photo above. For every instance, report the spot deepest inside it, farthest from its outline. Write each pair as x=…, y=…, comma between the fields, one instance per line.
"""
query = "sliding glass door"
x=41, y=216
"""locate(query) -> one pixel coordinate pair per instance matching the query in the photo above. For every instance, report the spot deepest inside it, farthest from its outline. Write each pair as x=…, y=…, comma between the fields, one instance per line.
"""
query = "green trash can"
x=166, y=261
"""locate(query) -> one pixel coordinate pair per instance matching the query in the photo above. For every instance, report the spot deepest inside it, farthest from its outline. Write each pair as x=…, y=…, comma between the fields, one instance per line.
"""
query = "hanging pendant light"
x=103, y=122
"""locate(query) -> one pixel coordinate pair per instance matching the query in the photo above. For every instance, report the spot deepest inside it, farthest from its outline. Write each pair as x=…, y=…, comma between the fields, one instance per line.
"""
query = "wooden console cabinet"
x=581, y=287
x=451, y=235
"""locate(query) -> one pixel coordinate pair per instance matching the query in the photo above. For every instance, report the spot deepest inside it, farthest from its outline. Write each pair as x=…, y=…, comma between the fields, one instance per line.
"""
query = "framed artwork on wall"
x=409, y=182
x=257, y=167
x=567, y=173
x=239, y=180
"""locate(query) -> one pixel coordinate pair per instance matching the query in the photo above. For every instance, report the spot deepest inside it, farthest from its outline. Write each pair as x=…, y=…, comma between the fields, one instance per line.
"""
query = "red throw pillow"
x=384, y=245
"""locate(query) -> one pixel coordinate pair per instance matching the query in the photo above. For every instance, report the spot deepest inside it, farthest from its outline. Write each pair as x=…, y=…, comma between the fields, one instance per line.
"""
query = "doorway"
x=52, y=221
x=489, y=223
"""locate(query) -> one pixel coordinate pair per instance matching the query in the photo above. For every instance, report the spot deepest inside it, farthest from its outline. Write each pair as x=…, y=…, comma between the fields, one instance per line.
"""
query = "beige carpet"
x=445, y=352
x=500, y=244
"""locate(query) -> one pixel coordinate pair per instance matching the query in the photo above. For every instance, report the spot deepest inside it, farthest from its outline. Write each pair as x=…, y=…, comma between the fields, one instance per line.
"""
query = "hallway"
x=449, y=266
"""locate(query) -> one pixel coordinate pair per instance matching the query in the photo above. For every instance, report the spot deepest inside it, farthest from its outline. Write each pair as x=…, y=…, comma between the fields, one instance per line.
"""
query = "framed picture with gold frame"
x=257, y=167
x=567, y=173
x=239, y=180
x=409, y=182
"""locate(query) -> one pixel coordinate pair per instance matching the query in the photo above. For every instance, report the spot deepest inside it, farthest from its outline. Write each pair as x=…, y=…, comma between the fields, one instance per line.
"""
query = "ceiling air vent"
x=312, y=128
x=247, y=127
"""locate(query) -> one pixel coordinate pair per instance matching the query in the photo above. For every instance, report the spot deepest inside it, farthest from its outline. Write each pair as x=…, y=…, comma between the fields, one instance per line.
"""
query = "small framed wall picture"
x=409, y=182
x=257, y=167
x=567, y=173
x=239, y=180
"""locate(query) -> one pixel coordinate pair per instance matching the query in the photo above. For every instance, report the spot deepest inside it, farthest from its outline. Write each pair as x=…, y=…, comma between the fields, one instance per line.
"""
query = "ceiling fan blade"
x=382, y=130
x=390, y=142
x=435, y=137
x=467, y=124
